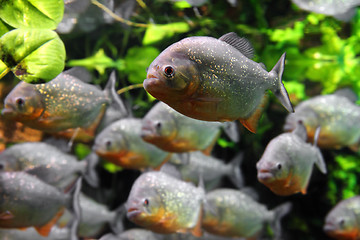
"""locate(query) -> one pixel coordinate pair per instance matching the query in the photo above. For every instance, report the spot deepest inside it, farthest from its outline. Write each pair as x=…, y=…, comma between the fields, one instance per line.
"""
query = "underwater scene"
x=179, y=119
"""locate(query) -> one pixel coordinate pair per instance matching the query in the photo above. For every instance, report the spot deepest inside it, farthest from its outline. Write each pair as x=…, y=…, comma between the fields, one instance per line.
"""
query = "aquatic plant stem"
x=116, y=17
x=125, y=89
x=4, y=72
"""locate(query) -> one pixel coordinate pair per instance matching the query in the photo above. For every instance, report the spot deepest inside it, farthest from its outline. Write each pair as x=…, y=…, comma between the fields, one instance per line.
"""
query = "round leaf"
x=37, y=54
x=45, y=14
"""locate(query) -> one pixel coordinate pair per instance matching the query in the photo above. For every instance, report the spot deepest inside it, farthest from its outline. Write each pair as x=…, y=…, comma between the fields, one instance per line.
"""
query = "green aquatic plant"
x=28, y=45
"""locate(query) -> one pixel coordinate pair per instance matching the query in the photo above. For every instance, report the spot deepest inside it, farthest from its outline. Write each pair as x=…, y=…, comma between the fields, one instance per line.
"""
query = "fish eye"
x=279, y=166
x=169, y=71
x=108, y=144
x=342, y=222
x=146, y=202
x=20, y=102
x=158, y=125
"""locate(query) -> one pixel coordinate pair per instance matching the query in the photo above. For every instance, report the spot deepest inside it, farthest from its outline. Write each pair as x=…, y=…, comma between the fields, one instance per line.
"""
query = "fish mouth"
x=264, y=175
x=132, y=213
x=7, y=112
x=329, y=228
x=147, y=132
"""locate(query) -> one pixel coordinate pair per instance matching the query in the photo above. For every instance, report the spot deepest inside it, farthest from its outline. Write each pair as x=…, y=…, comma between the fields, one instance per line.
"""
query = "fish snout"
x=264, y=172
x=148, y=130
x=7, y=112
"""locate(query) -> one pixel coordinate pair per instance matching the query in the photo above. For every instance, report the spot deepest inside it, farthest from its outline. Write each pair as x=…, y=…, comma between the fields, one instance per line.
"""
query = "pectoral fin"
x=6, y=215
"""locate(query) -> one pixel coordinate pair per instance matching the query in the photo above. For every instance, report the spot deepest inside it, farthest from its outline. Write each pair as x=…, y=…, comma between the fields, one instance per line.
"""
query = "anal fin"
x=251, y=122
x=197, y=231
x=45, y=229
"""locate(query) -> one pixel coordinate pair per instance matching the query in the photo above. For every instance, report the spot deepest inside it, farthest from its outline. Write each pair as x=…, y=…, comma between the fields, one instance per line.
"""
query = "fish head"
x=24, y=102
x=144, y=205
x=110, y=142
x=159, y=125
x=172, y=75
x=274, y=165
x=341, y=223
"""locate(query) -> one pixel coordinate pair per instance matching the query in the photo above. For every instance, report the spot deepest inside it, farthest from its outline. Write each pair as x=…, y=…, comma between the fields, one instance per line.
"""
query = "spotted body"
x=48, y=163
x=164, y=204
x=287, y=162
x=63, y=103
x=232, y=213
x=215, y=79
x=121, y=144
x=27, y=201
x=342, y=222
x=336, y=115
x=175, y=132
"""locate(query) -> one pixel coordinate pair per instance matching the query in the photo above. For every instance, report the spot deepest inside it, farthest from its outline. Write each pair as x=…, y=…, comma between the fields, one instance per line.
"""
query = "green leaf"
x=182, y=5
x=36, y=54
x=45, y=14
x=112, y=168
x=81, y=150
x=99, y=61
x=4, y=28
x=137, y=60
x=157, y=32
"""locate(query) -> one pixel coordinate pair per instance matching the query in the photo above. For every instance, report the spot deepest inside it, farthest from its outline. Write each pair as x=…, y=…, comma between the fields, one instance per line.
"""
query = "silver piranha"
x=26, y=201
x=340, y=9
x=49, y=164
x=165, y=204
x=215, y=80
x=195, y=164
x=286, y=165
x=342, y=222
x=232, y=213
x=336, y=114
x=175, y=132
x=121, y=144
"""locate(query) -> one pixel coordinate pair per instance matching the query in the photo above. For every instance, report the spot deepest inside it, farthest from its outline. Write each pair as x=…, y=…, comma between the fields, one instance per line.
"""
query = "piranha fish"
x=94, y=217
x=26, y=201
x=286, y=165
x=121, y=144
x=49, y=164
x=64, y=103
x=342, y=222
x=133, y=234
x=336, y=114
x=164, y=204
x=340, y=9
x=215, y=80
x=195, y=164
x=31, y=234
x=232, y=213
x=175, y=132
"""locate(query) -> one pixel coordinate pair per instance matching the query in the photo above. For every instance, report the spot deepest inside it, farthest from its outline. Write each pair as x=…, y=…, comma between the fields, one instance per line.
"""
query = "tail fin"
x=90, y=174
x=236, y=177
x=279, y=89
x=111, y=93
x=117, y=226
x=75, y=208
x=280, y=212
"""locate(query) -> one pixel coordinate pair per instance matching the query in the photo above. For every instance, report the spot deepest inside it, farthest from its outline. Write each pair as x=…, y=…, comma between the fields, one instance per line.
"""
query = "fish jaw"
x=8, y=112
x=133, y=213
x=265, y=175
x=154, y=86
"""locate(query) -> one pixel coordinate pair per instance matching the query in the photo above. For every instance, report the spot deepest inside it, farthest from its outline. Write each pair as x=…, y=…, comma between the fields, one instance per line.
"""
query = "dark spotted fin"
x=80, y=73
x=278, y=88
x=236, y=177
x=241, y=44
x=90, y=174
x=251, y=122
x=279, y=212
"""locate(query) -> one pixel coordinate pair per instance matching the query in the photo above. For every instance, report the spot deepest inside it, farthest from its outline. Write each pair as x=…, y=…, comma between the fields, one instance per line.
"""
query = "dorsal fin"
x=241, y=44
